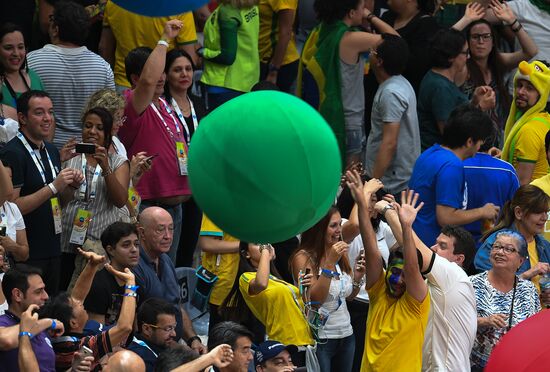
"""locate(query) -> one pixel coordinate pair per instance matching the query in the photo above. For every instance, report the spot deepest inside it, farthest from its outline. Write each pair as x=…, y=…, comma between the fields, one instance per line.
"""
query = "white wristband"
x=52, y=188
x=163, y=42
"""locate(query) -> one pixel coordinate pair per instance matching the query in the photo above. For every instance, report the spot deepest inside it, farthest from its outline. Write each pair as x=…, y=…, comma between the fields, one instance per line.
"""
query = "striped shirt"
x=70, y=76
x=104, y=212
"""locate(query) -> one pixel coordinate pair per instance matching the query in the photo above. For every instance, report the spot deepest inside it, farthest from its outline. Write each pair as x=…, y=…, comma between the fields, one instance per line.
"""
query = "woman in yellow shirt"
x=274, y=302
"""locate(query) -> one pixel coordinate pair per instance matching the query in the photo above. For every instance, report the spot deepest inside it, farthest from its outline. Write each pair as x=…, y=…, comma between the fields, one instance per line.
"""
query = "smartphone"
x=86, y=351
x=2, y=230
x=85, y=148
x=150, y=158
x=308, y=270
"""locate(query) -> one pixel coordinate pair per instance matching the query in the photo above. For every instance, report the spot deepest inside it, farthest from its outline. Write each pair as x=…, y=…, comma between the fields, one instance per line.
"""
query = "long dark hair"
x=171, y=57
x=529, y=198
x=234, y=307
x=8, y=28
x=106, y=120
x=497, y=70
x=313, y=243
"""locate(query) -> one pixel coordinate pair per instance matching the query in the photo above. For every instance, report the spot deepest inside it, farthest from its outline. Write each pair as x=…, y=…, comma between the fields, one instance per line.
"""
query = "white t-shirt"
x=8, y=130
x=10, y=213
x=384, y=239
x=536, y=23
x=452, y=323
x=338, y=324
x=119, y=146
x=4, y=305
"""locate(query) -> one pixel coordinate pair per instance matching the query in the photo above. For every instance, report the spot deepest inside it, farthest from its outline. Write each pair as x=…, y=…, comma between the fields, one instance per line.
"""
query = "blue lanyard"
x=37, y=162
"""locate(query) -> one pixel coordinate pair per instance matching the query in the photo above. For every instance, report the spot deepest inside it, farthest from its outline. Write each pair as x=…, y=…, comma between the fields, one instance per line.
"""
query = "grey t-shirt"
x=395, y=101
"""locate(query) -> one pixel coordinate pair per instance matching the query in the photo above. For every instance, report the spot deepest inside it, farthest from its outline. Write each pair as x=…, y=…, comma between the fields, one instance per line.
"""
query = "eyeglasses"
x=480, y=37
x=162, y=229
x=466, y=52
x=506, y=248
x=167, y=329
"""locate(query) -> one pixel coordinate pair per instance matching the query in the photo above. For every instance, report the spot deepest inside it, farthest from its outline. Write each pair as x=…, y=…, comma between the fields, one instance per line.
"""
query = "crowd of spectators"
x=436, y=245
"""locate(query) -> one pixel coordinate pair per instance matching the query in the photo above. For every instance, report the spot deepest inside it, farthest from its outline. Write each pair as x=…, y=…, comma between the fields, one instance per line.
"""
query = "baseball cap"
x=270, y=349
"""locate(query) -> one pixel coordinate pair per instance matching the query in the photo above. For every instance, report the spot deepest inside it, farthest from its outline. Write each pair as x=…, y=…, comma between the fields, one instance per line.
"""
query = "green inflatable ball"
x=264, y=166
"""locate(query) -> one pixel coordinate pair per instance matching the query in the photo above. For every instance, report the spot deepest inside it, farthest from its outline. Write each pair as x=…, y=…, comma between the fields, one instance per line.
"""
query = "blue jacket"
x=482, y=262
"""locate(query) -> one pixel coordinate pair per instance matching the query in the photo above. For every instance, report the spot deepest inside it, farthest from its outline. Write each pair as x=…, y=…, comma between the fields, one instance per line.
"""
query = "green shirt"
x=231, y=58
x=36, y=84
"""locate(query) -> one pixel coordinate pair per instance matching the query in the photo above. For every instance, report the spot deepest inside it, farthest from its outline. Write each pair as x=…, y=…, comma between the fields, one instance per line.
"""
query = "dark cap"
x=270, y=349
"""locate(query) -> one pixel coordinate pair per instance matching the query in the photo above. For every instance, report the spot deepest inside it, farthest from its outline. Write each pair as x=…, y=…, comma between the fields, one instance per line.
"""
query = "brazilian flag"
x=319, y=80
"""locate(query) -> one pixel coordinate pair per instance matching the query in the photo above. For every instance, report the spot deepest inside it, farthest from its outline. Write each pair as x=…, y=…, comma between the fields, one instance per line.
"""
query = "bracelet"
x=52, y=188
x=190, y=340
x=388, y=206
x=329, y=273
x=132, y=294
x=370, y=17
x=517, y=28
x=358, y=284
x=513, y=23
x=131, y=287
x=52, y=327
x=21, y=334
x=107, y=172
x=163, y=42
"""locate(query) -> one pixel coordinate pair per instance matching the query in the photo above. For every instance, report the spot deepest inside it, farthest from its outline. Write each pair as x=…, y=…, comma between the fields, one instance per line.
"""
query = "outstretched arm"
x=84, y=281
x=416, y=286
x=361, y=195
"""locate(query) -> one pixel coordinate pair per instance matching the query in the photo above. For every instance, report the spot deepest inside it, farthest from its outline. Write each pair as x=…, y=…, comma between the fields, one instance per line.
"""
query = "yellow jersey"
x=269, y=30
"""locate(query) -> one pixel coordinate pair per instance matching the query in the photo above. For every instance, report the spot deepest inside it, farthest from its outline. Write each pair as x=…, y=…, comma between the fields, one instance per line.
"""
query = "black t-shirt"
x=43, y=241
x=105, y=297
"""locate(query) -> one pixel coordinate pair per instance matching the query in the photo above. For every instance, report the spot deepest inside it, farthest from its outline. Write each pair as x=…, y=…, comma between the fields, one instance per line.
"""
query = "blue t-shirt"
x=489, y=180
x=438, y=178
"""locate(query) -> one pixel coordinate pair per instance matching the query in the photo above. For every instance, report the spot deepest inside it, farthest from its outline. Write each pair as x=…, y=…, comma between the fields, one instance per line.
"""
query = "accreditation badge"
x=56, y=214
x=80, y=226
x=181, y=153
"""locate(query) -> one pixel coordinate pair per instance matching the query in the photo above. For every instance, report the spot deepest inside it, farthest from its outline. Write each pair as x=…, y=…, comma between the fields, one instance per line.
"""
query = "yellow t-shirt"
x=395, y=331
x=533, y=260
x=225, y=266
x=543, y=183
x=276, y=308
x=132, y=30
x=530, y=147
x=269, y=30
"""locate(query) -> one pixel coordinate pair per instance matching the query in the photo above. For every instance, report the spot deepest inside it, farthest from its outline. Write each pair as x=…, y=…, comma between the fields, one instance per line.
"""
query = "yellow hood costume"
x=538, y=74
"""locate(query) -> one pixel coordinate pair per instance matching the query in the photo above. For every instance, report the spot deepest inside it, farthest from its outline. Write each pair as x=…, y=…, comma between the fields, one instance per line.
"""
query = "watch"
x=388, y=206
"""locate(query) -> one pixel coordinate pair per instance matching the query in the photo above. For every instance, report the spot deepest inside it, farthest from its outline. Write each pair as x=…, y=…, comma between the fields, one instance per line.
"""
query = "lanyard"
x=302, y=310
x=84, y=184
x=141, y=343
x=39, y=164
x=182, y=118
x=178, y=131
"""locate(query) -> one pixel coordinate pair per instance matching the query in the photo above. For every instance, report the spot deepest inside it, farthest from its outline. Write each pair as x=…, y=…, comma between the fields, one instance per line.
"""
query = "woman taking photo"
x=526, y=213
x=503, y=299
x=231, y=61
x=88, y=210
x=323, y=251
x=258, y=294
x=487, y=65
x=189, y=111
x=16, y=77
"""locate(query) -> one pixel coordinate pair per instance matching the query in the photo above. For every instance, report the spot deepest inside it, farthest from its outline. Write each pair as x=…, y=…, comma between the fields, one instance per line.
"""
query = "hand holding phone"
x=85, y=148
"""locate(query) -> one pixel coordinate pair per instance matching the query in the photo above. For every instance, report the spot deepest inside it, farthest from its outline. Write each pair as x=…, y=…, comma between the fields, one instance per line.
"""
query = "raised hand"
x=93, y=258
x=474, y=11
x=354, y=183
x=221, y=355
x=172, y=29
x=503, y=12
x=67, y=151
x=127, y=276
x=408, y=210
x=372, y=186
x=29, y=319
x=335, y=252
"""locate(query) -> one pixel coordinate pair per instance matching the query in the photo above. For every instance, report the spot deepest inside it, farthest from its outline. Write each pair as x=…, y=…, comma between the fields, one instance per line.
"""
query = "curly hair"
x=106, y=98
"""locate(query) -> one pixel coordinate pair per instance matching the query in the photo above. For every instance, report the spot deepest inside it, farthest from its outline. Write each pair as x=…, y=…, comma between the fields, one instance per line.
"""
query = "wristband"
x=132, y=294
x=520, y=26
x=21, y=334
x=513, y=23
x=191, y=339
x=53, y=324
x=329, y=273
x=52, y=188
x=131, y=287
x=163, y=42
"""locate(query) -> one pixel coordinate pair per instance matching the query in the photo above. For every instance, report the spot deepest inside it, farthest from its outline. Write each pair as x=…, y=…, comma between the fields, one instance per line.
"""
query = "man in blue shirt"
x=438, y=175
x=155, y=272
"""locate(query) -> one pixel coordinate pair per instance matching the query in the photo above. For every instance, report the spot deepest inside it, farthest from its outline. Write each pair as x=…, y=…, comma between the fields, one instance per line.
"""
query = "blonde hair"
x=240, y=3
x=108, y=99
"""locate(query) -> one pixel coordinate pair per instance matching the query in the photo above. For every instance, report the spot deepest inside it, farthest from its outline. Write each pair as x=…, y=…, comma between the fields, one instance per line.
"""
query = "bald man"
x=123, y=361
x=155, y=272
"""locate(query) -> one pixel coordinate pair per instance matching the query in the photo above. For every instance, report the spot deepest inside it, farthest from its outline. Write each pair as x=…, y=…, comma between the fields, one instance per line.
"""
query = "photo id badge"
x=56, y=213
x=181, y=153
x=80, y=226
x=133, y=198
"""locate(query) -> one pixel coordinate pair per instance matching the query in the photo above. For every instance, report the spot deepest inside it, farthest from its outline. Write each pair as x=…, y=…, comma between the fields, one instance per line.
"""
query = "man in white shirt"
x=452, y=323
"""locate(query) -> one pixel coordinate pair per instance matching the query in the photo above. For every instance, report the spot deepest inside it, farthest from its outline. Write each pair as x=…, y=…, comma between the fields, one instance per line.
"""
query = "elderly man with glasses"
x=155, y=272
